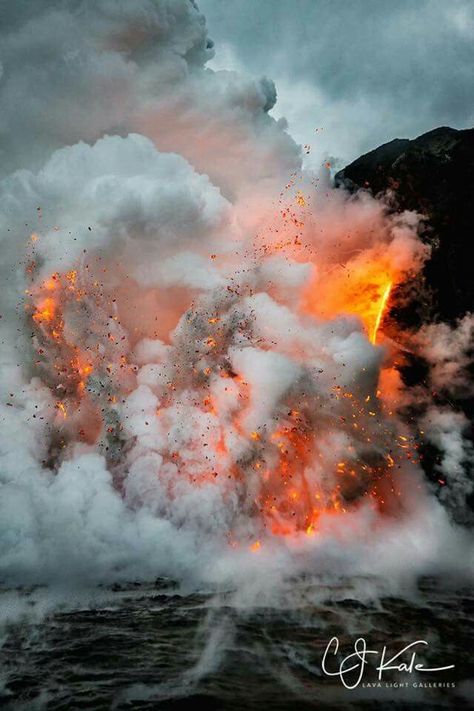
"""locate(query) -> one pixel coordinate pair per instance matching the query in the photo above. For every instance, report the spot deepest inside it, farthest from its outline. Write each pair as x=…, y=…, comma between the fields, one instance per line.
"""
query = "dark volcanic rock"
x=434, y=175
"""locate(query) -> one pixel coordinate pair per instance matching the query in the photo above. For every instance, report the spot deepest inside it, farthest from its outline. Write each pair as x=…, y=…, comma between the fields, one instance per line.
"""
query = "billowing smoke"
x=195, y=380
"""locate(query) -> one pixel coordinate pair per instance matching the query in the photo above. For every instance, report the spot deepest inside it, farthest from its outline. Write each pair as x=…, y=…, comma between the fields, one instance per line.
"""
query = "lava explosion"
x=277, y=428
x=194, y=360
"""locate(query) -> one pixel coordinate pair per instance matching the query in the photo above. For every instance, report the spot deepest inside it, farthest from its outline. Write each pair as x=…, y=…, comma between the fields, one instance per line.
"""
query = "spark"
x=62, y=408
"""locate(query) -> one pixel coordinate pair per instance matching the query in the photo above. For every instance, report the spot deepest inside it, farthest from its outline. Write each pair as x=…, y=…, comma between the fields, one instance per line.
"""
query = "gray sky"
x=360, y=71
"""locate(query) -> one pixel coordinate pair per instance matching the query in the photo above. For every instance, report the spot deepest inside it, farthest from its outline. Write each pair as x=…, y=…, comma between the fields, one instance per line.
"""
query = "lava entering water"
x=204, y=362
x=230, y=403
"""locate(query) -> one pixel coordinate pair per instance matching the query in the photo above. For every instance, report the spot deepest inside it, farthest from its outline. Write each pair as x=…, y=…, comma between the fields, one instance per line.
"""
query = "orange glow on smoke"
x=361, y=287
x=287, y=501
x=62, y=408
x=55, y=352
x=281, y=462
x=45, y=311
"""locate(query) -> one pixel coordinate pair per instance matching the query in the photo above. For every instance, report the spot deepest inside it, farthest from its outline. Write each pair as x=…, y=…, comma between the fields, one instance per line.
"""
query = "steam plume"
x=194, y=374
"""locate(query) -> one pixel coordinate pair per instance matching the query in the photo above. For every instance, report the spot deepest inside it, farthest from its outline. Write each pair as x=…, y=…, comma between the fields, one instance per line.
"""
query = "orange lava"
x=70, y=364
x=381, y=311
x=284, y=497
x=361, y=288
x=45, y=311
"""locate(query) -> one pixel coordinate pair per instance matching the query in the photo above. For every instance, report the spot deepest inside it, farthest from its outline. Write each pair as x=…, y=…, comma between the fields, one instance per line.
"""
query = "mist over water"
x=155, y=646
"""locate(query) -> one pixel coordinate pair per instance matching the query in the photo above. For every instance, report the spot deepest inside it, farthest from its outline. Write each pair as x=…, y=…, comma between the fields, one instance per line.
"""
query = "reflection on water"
x=148, y=646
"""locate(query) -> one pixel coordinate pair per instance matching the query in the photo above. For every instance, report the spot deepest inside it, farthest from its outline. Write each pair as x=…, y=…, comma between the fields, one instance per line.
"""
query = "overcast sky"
x=360, y=71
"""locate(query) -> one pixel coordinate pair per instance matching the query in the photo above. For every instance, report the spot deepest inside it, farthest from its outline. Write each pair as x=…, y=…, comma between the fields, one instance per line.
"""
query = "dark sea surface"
x=151, y=647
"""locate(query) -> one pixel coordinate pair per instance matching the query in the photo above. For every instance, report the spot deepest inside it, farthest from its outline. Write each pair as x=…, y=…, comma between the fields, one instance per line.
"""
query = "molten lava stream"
x=381, y=312
x=362, y=289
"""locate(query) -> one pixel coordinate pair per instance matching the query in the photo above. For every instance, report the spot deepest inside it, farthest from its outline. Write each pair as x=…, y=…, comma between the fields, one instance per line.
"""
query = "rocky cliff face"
x=432, y=174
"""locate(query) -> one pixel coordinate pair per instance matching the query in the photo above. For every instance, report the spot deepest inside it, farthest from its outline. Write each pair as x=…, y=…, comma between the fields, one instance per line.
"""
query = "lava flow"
x=380, y=312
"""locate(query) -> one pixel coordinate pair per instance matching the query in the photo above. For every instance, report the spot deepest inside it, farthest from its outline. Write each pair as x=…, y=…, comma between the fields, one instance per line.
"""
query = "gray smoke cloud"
x=360, y=72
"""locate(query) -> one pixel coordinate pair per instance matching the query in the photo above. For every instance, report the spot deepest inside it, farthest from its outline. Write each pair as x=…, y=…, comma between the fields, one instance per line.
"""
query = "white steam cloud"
x=191, y=384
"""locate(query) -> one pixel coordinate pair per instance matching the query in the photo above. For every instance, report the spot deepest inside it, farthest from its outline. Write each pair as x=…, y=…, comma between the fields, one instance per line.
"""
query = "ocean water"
x=157, y=646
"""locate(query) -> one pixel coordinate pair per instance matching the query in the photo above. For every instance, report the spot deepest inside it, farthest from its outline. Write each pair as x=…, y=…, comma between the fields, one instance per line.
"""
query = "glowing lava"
x=318, y=450
x=382, y=307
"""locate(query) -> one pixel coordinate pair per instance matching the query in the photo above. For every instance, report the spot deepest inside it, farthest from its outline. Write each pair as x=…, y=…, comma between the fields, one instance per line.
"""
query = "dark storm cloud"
x=394, y=67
